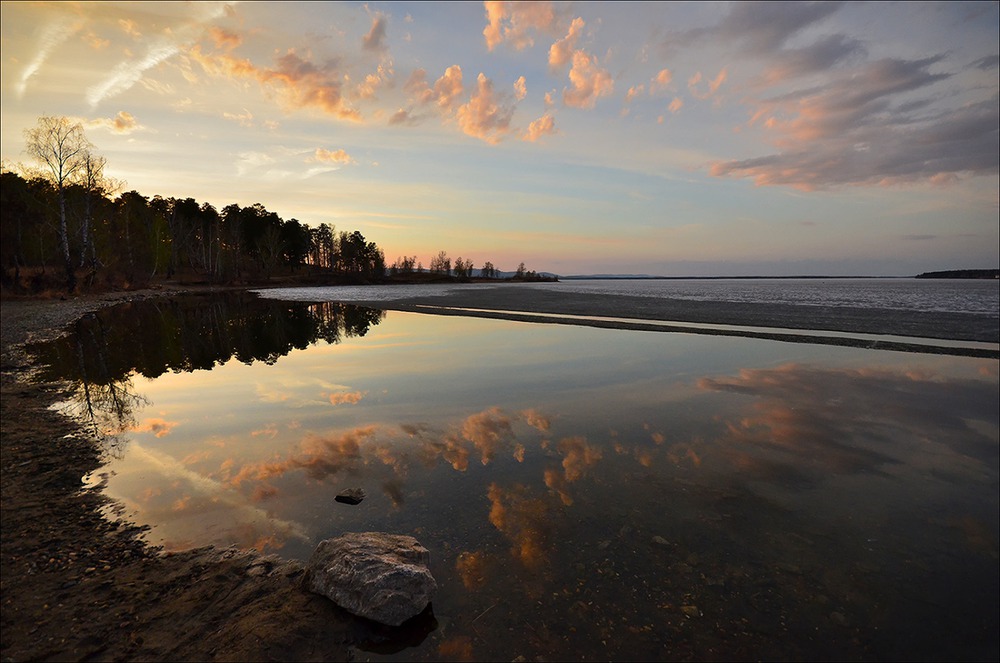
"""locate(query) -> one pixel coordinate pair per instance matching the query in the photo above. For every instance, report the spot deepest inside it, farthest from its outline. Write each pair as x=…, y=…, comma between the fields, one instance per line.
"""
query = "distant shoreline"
x=950, y=274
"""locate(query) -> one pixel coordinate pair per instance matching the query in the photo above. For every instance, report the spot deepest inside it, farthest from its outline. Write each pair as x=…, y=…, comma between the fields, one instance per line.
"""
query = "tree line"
x=66, y=220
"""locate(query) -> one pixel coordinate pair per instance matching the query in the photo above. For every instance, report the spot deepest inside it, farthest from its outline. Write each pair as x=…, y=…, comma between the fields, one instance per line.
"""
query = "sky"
x=673, y=139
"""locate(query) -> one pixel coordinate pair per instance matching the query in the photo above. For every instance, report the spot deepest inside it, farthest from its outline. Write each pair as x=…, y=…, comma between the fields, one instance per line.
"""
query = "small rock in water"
x=383, y=577
x=660, y=541
x=351, y=496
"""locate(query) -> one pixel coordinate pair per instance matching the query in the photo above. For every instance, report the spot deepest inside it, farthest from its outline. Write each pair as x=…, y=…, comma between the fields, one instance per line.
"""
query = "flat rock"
x=383, y=577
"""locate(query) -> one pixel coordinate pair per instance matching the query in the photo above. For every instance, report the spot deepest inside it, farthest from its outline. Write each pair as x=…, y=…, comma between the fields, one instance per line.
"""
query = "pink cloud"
x=561, y=52
x=660, y=81
x=589, y=82
x=445, y=91
x=634, y=92
x=351, y=398
x=704, y=92
x=543, y=126
x=513, y=22
x=156, y=425
x=486, y=116
x=863, y=128
x=520, y=89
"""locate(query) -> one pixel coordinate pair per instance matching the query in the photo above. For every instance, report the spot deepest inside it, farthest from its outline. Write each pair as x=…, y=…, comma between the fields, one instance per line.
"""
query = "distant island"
x=962, y=274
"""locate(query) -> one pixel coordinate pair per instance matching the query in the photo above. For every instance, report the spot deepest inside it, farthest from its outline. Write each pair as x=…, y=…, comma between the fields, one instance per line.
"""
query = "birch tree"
x=62, y=148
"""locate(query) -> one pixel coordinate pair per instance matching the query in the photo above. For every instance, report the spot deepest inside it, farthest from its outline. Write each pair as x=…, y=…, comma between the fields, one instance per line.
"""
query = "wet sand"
x=507, y=300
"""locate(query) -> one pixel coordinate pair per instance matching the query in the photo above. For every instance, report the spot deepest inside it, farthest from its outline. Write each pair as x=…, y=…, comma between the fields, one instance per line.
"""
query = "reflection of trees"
x=105, y=403
x=197, y=332
x=104, y=350
x=108, y=411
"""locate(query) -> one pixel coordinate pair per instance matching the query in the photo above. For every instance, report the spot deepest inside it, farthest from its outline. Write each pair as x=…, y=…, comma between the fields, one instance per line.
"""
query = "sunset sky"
x=669, y=139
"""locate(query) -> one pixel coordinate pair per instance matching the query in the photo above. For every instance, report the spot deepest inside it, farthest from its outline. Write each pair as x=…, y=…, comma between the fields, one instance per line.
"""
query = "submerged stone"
x=383, y=577
x=351, y=496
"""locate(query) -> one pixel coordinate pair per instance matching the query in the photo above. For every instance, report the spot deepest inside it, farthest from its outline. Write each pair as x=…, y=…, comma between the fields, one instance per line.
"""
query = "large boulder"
x=383, y=577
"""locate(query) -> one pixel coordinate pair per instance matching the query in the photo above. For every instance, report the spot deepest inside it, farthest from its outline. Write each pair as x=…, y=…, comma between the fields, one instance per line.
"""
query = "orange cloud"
x=224, y=38
x=561, y=51
x=537, y=420
x=471, y=568
x=675, y=105
x=123, y=123
x=543, y=126
x=445, y=91
x=488, y=431
x=352, y=398
x=319, y=457
x=589, y=82
x=335, y=156
x=159, y=427
x=523, y=520
x=556, y=480
x=486, y=116
x=520, y=89
x=368, y=88
x=513, y=21
x=298, y=82
x=577, y=456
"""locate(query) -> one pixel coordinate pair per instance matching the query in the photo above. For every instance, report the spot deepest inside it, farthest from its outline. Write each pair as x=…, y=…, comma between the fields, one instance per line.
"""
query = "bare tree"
x=95, y=183
x=61, y=146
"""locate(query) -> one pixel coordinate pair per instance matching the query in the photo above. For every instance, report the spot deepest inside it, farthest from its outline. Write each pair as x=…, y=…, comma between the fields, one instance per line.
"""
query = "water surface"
x=585, y=493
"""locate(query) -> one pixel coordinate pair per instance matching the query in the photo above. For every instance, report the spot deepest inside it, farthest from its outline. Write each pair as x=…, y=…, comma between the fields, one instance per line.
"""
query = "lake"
x=585, y=493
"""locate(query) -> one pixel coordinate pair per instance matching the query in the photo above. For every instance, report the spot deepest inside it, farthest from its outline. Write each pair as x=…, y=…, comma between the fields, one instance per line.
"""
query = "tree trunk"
x=64, y=240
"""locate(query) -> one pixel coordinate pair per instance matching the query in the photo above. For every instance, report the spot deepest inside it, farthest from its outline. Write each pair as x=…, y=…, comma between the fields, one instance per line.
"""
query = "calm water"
x=585, y=493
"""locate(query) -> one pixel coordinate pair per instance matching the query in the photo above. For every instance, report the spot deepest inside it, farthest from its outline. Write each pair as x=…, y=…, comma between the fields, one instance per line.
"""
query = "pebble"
x=691, y=611
x=660, y=541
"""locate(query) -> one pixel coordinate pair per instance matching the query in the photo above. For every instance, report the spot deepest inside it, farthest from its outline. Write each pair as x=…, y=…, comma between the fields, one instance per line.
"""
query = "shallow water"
x=585, y=493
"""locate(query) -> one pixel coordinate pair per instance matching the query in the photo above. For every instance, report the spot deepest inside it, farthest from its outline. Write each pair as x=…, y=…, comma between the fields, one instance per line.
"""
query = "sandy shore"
x=772, y=321
x=78, y=587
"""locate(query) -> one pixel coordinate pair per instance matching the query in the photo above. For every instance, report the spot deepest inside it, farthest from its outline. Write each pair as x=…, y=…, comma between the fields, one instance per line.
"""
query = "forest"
x=66, y=226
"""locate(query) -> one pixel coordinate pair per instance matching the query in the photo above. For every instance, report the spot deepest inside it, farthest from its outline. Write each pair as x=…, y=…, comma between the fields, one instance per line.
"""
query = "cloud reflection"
x=851, y=420
x=523, y=519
